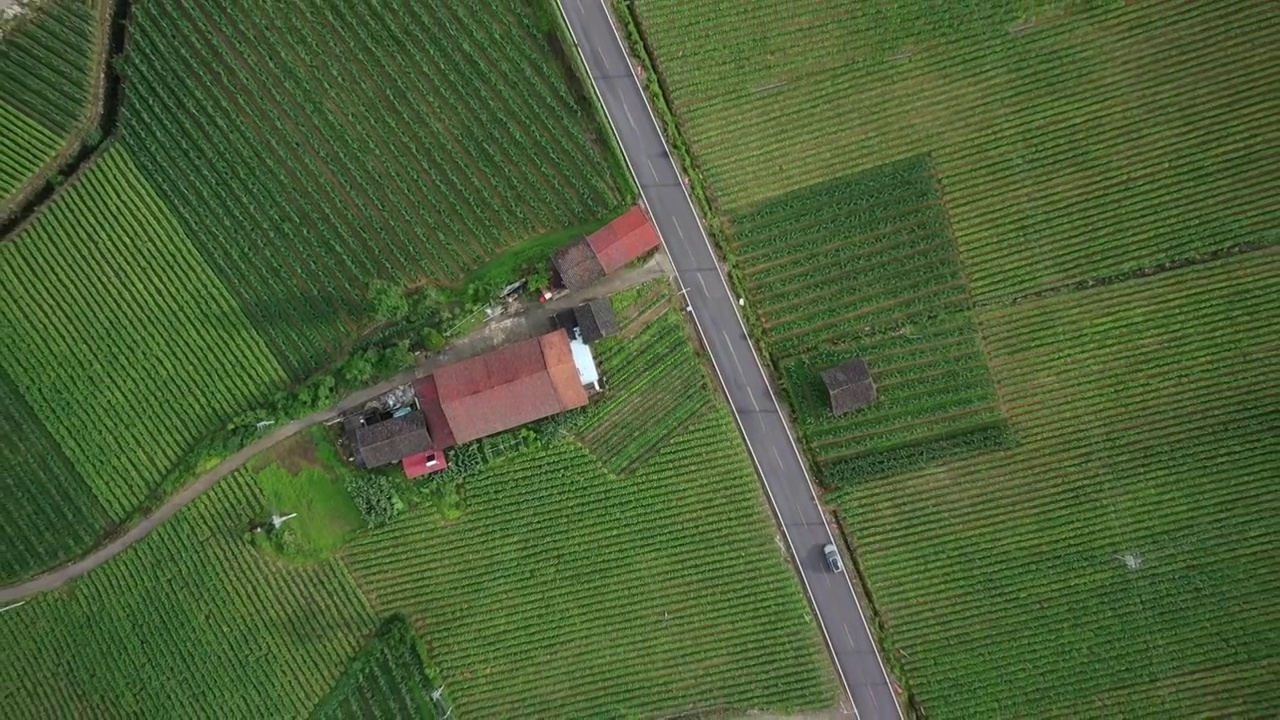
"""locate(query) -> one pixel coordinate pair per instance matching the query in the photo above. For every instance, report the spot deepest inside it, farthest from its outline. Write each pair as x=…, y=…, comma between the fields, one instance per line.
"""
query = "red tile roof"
x=562, y=371
x=416, y=465
x=626, y=238
x=437, y=423
x=509, y=387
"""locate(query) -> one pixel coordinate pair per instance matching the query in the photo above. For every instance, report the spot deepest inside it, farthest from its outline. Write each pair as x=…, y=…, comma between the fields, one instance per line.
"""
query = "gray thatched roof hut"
x=850, y=386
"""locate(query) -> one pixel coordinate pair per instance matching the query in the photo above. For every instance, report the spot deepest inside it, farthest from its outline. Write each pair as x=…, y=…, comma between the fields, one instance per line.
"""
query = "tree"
x=357, y=369
x=387, y=301
x=539, y=278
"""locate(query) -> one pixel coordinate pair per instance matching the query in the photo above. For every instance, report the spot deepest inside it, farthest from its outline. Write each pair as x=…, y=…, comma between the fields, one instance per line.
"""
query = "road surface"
x=715, y=311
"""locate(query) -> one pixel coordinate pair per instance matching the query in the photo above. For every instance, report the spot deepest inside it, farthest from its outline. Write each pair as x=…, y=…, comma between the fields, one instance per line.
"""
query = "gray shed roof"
x=388, y=441
x=596, y=319
x=850, y=386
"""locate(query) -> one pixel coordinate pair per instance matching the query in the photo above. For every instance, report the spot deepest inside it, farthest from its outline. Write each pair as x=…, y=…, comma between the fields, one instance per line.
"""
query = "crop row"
x=121, y=339
x=46, y=64
x=618, y=567
x=299, y=197
x=189, y=618
x=25, y=146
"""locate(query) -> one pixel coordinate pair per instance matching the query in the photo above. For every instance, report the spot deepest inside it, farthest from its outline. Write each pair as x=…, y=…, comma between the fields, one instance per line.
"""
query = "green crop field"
x=1051, y=230
x=120, y=338
x=189, y=619
x=308, y=153
x=49, y=512
x=46, y=78
x=563, y=589
x=388, y=679
x=569, y=590
x=865, y=266
x=1149, y=416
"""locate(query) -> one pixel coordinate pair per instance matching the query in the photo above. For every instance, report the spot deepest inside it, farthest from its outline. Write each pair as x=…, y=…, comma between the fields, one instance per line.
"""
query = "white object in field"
x=277, y=521
x=742, y=302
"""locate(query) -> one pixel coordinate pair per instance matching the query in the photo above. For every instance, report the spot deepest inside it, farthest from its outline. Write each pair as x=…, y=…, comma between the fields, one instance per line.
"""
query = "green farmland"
x=445, y=135
x=641, y=581
x=1051, y=230
x=565, y=588
x=48, y=64
x=123, y=344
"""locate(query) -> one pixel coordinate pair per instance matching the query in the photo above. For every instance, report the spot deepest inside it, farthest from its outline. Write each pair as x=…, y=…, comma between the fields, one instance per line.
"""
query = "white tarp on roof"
x=584, y=360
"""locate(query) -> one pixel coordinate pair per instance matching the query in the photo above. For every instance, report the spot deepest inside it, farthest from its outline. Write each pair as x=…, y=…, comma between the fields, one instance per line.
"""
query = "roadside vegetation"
x=1049, y=232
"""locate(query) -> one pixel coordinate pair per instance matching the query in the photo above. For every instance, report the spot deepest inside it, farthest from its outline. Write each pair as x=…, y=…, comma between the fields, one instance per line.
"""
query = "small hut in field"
x=849, y=386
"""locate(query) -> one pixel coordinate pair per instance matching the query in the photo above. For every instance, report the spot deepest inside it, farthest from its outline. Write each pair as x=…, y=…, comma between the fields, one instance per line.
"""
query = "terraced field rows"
x=467, y=142
x=189, y=619
x=1129, y=527
x=49, y=512
x=118, y=335
x=25, y=146
x=47, y=69
x=46, y=64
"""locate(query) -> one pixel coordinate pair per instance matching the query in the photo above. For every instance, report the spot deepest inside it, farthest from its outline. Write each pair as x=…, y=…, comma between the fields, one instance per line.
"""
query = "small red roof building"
x=626, y=238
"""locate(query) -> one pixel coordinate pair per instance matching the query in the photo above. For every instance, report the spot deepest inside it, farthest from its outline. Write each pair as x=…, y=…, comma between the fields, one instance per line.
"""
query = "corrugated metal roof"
x=628, y=237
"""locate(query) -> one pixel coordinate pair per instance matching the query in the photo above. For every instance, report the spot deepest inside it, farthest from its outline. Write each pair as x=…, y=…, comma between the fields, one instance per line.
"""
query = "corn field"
x=310, y=149
x=1118, y=558
x=1083, y=267
x=122, y=341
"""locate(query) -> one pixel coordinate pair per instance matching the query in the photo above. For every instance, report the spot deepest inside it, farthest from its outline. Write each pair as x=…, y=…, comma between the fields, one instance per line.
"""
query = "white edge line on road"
x=795, y=447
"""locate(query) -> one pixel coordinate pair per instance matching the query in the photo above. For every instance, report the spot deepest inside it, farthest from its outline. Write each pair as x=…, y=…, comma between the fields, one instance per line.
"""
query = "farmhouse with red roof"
x=499, y=390
x=583, y=262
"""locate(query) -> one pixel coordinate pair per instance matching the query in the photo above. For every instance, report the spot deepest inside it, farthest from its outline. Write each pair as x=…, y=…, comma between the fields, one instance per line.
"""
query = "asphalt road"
x=715, y=311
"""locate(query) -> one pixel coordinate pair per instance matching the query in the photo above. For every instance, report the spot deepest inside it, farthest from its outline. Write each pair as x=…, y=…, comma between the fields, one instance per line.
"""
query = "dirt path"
x=534, y=321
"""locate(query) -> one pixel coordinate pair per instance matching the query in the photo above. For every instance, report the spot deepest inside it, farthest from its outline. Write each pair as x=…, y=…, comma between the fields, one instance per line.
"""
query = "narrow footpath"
x=534, y=321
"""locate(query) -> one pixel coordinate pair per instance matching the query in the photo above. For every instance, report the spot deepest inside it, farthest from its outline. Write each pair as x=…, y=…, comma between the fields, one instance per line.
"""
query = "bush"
x=432, y=340
x=375, y=498
x=387, y=302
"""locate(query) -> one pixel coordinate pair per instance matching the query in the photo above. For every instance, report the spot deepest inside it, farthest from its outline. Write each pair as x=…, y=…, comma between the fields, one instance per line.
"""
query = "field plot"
x=119, y=337
x=388, y=679
x=49, y=512
x=189, y=619
x=566, y=590
x=46, y=78
x=1119, y=562
x=864, y=266
x=1072, y=143
x=309, y=152
x=46, y=63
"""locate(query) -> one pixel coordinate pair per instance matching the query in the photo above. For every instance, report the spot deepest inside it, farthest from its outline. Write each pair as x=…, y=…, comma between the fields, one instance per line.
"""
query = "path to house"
x=534, y=321
x=714, y=308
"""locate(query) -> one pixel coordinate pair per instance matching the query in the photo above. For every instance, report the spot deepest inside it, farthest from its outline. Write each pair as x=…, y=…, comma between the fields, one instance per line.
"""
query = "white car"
x=833, y=558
